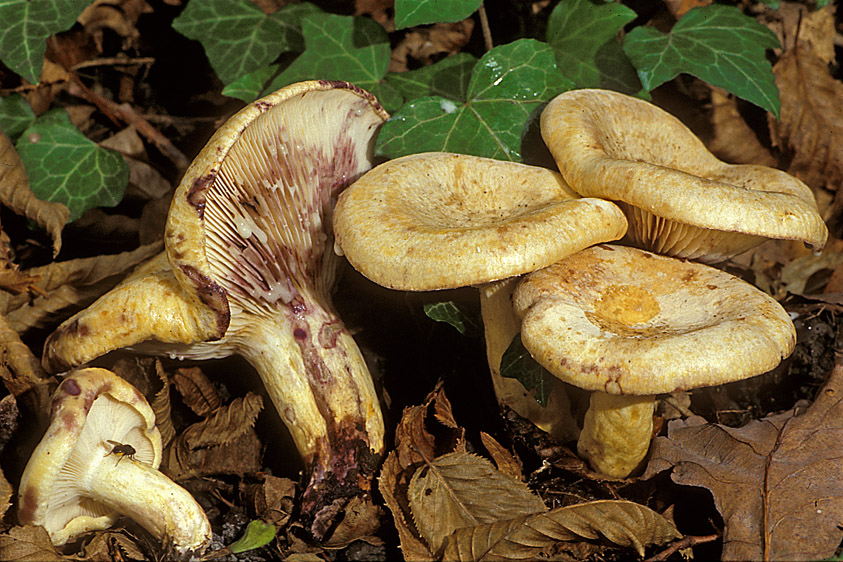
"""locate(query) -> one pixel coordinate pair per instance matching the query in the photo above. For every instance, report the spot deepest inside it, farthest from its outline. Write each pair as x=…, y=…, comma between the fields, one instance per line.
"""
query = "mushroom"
x=627, y=325
x=679, y=198
x=246, y=272
x=440, y=220
x=98, y=460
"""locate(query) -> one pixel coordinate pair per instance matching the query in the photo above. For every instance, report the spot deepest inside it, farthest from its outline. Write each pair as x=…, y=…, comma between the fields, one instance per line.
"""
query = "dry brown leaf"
x=811, y=122
x=776, y=481
x=9, y=419
x=361, y=520
x=69, y=286
x=679, y=7
x=28, y=544
x=506, y=462
x=428, y=44
x=112, y=545
x=732, y=139
x=197, y=390
x=271, y=499
x=119, y=16
x=795, y=275
x=145, y=181
x=624, y=523
x=161, y=406
x=15, y=194
x=225, y=424
x=464, y=490
x=54, y=79
x=21, y=371
x=6, y=492
x=14, y=280
x=796, y=23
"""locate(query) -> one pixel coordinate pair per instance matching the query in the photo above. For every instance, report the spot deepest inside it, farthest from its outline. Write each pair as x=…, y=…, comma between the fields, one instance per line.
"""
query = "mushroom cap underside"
x=626, y=321
x=615, y=146
x=442, y=220
x=91, y=407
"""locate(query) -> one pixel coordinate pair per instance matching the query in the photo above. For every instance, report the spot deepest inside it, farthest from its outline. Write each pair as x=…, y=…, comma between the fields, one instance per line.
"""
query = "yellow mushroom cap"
x=441, y=220
x=679, y=198
x=625, y=321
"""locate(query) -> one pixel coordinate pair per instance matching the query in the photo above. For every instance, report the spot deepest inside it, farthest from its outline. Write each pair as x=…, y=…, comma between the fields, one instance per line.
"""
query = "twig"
x=684, y=542
x=484, y=25
x=113, y=61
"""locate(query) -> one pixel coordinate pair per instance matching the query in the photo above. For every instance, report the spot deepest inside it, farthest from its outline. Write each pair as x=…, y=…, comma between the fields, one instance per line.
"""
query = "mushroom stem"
x=616, y=432
x=318, y=381
x=144, y=494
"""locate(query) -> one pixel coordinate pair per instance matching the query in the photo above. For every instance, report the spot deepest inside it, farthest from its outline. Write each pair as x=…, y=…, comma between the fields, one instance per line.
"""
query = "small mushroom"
x=627, y=325
x=440, y=220
x=98, y=460
x=679, y=198
x=249, y=270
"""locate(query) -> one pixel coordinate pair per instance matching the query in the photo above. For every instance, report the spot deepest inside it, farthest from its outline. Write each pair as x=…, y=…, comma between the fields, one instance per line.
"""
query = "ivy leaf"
x=448, y=78
x=449, y=313
x=517, y=363
x=507, y=89
x=409, y=13
x=584, y=36
x=27, y=25
x=716, y=43
x=238, y=37
x=251, y=86
x=257, y=534
x=66, y=167
x=15, y=115
x=354, y=49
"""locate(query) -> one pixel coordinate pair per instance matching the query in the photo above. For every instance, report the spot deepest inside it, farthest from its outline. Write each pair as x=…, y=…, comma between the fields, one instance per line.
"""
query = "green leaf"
x=354, y=49
x=449, y=313
x=66, y=167
x=252, y=86
x=517, y=363
x=257, y=534
x=238, y=37
x=716, y=43
x=409, y=13
x=584, y=36
x=25, y=27
x=508, y=87
x=448, y=78
x=15, y=115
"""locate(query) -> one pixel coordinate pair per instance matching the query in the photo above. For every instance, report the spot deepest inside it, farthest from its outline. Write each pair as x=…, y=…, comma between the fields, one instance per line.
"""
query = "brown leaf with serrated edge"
x=20, y=370
x=506, y=462
x=623, y=523
x=69, y=286
x=226, y=423
x=161, y=406
x=811, y=122
x=776, y=481
x=197, y=391
x=464, y=490
x=15, y=194
x=112, y=545
x=732, y=139
x=28, y=544
x=271, y=499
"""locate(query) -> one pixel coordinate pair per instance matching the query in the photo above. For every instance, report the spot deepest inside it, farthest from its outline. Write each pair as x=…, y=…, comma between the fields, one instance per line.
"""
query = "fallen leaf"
x=161, y=406
x=464, y=490
x=6, y=492
x=795, y=275
x=271, y=498
x=811, y=123
x=426, y=45
x=20, y=370
x=16, y=195
x=732, y=139
x=197, y=391
x=776, y=481
x=226, y=423
x=808, y=27
x=9, y=419
x=112, y=545
x=624, y=523
x=28, y=544
x=506, y=462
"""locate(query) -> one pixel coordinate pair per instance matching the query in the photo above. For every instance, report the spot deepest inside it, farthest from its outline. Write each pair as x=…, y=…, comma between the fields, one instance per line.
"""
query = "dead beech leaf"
x=776, y=481
x=272, y=498
x=161, y=406
x=69, y=286
x=28, y=544
x=796, y=23
x=464, y=490
x=225, y=424
x=624, y=523
x=21, y=370
x=427, y=45
x=506, y=462
x=112, y=545
x=732, y=139
x=811, y=123
x=197, y=391
x=15, y=194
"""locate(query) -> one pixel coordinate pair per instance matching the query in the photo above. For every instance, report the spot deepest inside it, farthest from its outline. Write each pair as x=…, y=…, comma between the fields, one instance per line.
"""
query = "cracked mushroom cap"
x=74, y=482
x=441, y=220
x=625, y=321
x=679, y=198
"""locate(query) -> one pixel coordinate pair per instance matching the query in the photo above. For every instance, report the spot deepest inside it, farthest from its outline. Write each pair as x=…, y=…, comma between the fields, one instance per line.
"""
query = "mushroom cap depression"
x=625, y=321
x=90, y=407
x=441, y=220
x=679, y=198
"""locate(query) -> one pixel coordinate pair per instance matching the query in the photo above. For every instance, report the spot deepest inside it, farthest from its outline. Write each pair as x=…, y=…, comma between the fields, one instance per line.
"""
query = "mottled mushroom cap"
x=679, y=198
x=90, y=407
x=626, y=321
x=440, y=220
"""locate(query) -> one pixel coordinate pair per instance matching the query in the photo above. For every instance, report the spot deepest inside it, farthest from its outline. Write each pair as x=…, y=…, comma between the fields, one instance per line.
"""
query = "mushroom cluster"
x=248, y=269
x=624, y=323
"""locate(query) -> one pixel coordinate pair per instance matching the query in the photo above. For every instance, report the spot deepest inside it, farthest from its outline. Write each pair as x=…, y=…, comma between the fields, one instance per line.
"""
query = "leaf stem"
x=484, y=25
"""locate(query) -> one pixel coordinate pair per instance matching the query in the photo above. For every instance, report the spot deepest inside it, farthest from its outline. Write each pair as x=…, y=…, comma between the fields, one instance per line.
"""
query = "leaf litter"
x=774, y=482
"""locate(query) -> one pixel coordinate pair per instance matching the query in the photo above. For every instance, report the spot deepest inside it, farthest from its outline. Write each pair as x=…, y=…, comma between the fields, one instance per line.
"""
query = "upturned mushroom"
x=246, y=272
x=628, y=324
x=440, y=220
x=679, y=198
x=98, y=460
